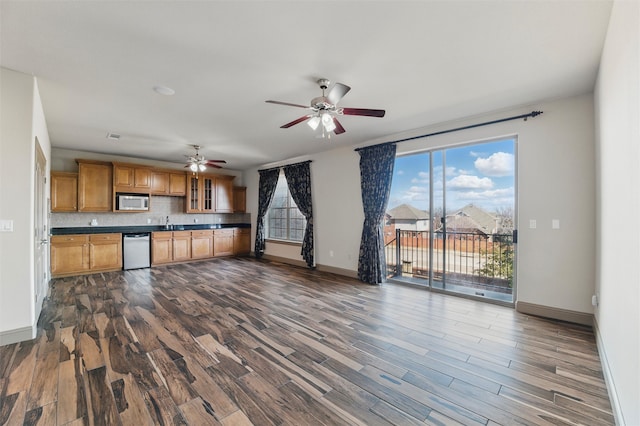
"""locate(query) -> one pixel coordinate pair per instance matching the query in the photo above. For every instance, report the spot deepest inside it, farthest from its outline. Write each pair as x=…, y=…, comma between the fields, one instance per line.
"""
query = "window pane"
x=284, y=220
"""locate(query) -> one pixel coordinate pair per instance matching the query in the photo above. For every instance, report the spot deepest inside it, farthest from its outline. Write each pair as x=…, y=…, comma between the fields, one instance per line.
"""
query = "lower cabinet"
x=81, y=254
x=170, y=246
x=223, y=242
x=201, y=244
x=242, y=241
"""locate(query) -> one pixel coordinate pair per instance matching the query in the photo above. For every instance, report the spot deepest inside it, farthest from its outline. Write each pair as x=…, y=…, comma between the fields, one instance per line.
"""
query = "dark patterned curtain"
x=299, y=182
x=376, y=172
x=267, y=187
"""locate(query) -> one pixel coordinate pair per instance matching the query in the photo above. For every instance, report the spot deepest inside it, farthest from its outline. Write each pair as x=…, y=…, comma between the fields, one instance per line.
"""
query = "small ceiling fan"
x=324, y=109
x=197, y=163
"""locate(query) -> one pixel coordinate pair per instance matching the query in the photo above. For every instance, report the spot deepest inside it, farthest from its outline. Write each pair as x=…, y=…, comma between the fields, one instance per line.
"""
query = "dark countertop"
x=143, y=228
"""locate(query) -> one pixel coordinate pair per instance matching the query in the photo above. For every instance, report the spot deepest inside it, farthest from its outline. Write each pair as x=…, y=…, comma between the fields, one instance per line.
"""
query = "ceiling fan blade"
x=215, y=166
x=339, y=129
x=337, y=92
x=363, y=111
x=211, y=162
x=288, y=104
x=294, y=122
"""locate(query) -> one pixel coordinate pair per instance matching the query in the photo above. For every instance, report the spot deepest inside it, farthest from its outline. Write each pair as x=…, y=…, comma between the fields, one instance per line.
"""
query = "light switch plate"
x=555, y=224
x=6, y=225
x=532, y=224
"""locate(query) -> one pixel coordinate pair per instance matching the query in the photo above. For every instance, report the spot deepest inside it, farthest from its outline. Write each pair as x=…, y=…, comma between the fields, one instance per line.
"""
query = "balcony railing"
x=457, y=258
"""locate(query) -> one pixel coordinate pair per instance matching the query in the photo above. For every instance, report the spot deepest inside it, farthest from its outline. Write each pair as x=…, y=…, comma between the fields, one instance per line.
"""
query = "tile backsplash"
x=161, y=207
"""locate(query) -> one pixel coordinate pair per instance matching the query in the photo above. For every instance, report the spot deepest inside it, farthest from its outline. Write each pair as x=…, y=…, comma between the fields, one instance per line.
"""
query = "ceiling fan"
x=197, y=163
x=324, y=109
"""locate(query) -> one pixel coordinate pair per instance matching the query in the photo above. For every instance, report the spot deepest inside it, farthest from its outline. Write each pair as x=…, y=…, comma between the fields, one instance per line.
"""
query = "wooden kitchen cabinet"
x=94, y=186
x=224, y=194
x=131, y=178
x=64, y=192
x=223, y=242
x=85, y=253
x=105, y=252
x=170, y=246
x=69, y=254
x=241, y=241
x=181, y=245
x=168, y=183
x=200, y=194
x=161, y=247
x=202, y=244
x=239, y=199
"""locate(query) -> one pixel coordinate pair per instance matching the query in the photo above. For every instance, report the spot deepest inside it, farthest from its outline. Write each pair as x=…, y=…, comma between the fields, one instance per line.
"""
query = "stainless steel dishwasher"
x=136, y=250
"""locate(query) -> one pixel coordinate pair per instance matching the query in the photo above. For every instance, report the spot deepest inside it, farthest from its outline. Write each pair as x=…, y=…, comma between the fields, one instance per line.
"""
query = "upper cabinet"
x=131, y=178
x=165, y=182
x=64, y=192
x=209, y=194
x=224, y=194
x=94, y=186
x=239, y=199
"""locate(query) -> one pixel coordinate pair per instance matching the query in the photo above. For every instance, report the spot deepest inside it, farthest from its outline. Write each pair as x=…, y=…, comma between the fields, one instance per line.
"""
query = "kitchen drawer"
x=73, y=238
x=202, y=233
x=181, y=234
x=104, y=237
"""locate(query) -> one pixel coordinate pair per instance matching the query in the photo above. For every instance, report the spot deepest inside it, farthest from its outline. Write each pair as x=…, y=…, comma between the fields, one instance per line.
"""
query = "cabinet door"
x=159, y=183
x=105, y=251
x=181, y=245
x=239, y=199
x=142, y=178
x=161, y=247
x=242, y=241
x=193, y=195
x=178, y=184
x=69, y=254
x=64, y=192
x=94, y=187
x=224, y=195
x=208, y=194
x=123, y=176
x=223, y=242
x=201, y=244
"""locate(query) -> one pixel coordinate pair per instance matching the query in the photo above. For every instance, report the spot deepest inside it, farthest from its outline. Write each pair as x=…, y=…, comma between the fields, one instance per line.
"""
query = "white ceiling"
x=425, y=62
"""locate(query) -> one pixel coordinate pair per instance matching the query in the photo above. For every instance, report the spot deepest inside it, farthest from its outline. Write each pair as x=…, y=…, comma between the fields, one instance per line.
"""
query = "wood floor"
x=240, y=342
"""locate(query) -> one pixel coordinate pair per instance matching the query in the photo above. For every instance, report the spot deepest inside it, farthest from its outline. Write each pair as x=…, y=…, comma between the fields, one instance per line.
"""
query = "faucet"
x=166, y=223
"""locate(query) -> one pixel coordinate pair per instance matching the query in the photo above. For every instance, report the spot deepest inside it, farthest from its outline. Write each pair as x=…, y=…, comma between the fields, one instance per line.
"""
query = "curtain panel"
x=299, y=183
x=266, y=188
x=376, y=173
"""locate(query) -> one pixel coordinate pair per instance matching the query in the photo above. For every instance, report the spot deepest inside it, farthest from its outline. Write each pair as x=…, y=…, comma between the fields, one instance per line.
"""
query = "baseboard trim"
x=338, y=271
x=608, y=376
x=554, y=313
x=324, y=268
x=17, y=335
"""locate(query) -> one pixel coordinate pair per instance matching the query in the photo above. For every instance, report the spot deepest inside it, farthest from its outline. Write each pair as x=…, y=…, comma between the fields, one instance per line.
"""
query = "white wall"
x=617, y=100
x=21, y=121
x=556, y=180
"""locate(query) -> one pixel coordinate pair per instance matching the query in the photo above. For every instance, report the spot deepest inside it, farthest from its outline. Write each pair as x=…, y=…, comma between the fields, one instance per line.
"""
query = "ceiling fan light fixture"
x=327, y=122
x=193, y=167
x=202, y=167
x=313, y=122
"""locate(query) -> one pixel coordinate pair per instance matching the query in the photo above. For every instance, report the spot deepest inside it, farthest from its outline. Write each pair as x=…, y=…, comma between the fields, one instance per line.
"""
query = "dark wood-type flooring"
x=240, y=341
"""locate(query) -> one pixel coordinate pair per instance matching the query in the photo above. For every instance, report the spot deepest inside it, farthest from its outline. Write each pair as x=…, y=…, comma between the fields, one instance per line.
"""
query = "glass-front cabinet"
x=210, y=194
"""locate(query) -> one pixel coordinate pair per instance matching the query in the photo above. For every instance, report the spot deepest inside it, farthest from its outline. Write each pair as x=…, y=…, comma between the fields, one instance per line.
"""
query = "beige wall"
x=21, y=121
x=617, y=100
x=556, y=180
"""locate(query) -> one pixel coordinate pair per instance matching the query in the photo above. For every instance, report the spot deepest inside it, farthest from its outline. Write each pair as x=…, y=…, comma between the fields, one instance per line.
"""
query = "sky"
x=482, y=174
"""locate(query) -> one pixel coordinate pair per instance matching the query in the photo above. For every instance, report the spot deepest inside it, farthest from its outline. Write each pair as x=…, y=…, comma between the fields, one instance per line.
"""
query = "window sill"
x=284, y=242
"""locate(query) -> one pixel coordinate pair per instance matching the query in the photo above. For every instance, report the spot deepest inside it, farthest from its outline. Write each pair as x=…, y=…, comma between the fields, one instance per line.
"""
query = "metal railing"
x=461, y=258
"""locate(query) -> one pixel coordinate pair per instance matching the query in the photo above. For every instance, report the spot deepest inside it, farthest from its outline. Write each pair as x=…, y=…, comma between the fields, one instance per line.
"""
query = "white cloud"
x=423, y=177
x=463, y=182
x=400, y=172
x=496, y=165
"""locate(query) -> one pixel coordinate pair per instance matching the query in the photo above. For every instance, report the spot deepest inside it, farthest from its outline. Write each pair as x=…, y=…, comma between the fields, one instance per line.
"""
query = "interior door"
x=41, y=237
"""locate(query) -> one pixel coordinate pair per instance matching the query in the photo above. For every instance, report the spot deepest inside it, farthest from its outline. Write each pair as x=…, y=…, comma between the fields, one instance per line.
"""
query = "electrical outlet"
x=6, y=225
x=532, y=224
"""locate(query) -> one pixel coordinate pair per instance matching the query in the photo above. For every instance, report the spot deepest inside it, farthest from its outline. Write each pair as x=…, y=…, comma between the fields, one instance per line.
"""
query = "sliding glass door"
x=451, y=220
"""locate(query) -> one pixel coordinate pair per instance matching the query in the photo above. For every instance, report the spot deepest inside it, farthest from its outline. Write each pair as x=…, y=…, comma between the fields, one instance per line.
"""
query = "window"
x=284, y=220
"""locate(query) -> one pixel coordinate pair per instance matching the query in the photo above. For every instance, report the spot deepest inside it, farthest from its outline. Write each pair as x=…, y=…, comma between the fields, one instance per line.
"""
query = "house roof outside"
x=407, y=212
x=472, y=217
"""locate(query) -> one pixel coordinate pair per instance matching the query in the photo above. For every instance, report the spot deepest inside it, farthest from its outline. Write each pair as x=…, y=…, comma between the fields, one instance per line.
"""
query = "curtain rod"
x=279, y=167
x=471, y=126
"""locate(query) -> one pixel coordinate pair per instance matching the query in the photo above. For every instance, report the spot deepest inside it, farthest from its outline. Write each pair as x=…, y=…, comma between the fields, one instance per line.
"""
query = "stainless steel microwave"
x=131, y=202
